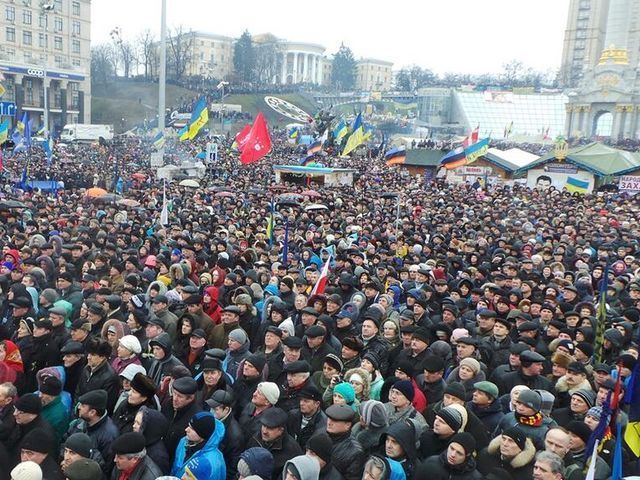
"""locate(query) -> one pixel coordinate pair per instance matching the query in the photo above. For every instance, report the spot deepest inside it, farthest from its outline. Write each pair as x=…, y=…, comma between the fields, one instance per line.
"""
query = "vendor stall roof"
x=313, y=171
x=595, y=158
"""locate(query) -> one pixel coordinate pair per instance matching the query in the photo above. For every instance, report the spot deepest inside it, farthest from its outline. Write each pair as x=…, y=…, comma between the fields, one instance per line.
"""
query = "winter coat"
x=162, y=368
x=436, y=467
x=232, y=445
x=102, y=434
x=347, y=456
x=369, y=438
x=536, y=434
x=219, y=336
x=490, y=415
x=178, y=421
x=208, y=458
x=57, y=414
x=282, y=449
x=46, y=353
x=409, y=413
x=145, y=470
x=519, y=467
x=232, y=361
x=154, y=429
x=563, y=391
x=103, y=378
x=511, y=379
x=316, y=424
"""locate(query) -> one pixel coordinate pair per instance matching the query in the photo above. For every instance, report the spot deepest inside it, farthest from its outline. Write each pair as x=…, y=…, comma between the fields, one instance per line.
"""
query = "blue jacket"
x=207, y=463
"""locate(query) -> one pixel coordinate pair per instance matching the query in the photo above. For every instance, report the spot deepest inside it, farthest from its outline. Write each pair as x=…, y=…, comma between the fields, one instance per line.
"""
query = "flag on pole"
x=591, y=473
x=340, y=130
x=285, y=247
x=314, y=147
x=258, y=143
x=464, y=156
x=47, y=146
x=616, y=469
x=357, y=136
x=164, y=214
x=321, y=284
x=632, y=398
x=159, y=141
x=1, y=161
x=199, y=118
x=241, y=138
x=601, y=315
x=270, y=223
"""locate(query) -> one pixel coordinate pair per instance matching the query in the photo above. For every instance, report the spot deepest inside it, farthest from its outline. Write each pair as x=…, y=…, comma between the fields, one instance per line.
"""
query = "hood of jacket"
x=155, y=426
x=259, y=460
x=405, y=435
x=163, y=341
x=307, y=468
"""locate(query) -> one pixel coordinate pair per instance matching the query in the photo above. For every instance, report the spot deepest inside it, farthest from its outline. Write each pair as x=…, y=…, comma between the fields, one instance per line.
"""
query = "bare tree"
x=268, y=59
x=102, y=64
x=180, y=51
x=147, y=51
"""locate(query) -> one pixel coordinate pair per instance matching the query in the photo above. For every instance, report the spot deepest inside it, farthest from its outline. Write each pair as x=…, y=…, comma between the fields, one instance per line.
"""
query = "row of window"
x=31, y=90
x=27, y=19
x=27, y=39
x=61, y=61
x=57, y=7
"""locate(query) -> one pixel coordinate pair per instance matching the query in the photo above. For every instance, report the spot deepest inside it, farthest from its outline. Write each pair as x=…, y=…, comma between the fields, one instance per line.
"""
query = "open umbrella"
x=189, y=183
x=129, y=202
x=288, y=203
x=224, y=195
x=107, y=198
x=310, y=193
x=290, y=196
x=96, y=192
x=315, y=206
x=141, y=177
x=11, y=204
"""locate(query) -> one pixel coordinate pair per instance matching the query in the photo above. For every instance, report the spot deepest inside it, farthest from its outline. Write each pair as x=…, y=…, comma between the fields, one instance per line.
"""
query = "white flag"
x=164, y=215
x=591, y=473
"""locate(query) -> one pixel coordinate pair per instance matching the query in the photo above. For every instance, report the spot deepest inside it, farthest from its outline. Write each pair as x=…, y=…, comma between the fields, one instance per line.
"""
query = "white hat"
x=131, y=343
x=26, y=471
x=270, y=391
x=130, y=371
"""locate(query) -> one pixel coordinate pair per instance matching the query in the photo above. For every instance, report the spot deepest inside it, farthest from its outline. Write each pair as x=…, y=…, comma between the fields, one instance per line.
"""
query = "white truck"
x=82, y=132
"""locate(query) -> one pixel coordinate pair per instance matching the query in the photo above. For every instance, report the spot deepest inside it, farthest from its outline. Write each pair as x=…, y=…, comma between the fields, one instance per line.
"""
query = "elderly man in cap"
x=59, y=333
x=315, y=347
x=179, y=409
x=39, y=446
x=81, y=330
x=94, y=421
x=581, y=401
x=45, y=352
x=77, y=447
x=202, y=319
x=160, y=308
x=27, y=413
x=73, y=361
x=298, y=377
x=250, y=374
x=485, y=405
x=265, y=396
x=274, y=437
x=219, y=336
x=457, y=461
x=131, y=459
x=98, y=374
x=232, y=445
x=83, y=469
x=529, y=374
x=142, y=392
x=347, y=454
x=308, y=419
x=373, y=341
x=308, y=318
x=573, y=380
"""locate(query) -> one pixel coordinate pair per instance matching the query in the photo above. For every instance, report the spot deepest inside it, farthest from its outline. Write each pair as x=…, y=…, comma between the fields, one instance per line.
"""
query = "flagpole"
x=162, y=78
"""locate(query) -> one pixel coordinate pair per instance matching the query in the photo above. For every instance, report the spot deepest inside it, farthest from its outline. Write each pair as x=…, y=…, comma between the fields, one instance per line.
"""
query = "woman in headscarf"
x=153, y=425
x=11, y=366
x=112, y=331
x=210, y=303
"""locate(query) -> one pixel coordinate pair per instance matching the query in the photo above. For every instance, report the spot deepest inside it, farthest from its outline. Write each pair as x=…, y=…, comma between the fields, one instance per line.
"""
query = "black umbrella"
x=11, y=204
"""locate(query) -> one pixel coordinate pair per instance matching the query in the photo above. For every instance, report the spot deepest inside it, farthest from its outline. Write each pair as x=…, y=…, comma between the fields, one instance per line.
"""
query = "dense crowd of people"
x=451, y=336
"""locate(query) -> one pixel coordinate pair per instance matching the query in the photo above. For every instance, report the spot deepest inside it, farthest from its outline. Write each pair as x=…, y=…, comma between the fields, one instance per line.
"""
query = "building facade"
x=373, y=75
x=301, y=63
x=46, y=43
x=584, y=39
x=211, y=55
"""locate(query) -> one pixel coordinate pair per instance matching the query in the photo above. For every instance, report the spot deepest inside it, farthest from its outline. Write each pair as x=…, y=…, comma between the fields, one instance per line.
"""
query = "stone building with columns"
x=50, y=44
x=373, y=75
x=607, y=101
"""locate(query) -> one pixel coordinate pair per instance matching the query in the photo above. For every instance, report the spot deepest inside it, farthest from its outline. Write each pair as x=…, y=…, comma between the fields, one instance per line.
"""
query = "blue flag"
x=285, y=247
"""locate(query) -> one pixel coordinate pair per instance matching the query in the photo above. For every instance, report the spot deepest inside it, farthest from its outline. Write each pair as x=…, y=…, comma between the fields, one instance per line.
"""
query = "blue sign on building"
x=7, y=109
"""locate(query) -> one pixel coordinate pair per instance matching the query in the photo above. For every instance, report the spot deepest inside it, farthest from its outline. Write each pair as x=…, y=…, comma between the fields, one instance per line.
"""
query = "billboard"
x=571, y=180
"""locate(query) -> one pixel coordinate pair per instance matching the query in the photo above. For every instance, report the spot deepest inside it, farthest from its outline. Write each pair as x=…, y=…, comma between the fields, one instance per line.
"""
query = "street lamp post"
x=46, y=8
x=221, y=86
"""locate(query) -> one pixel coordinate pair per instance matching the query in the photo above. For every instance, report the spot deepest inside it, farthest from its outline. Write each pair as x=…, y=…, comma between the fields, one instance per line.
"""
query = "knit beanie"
x=257, y=360
x=373, y=414
x=406, y=388
x=471, y=363
x=466, y=441
x=588, y=396
x=346, y=391
x=79, y=443
x=29, y=403
x=204, y=424
x=531, y=399
x=456, y=389
x=580, y=430
x=516, y=434
x=270, y=391
x=595, y=412
x=451, y=417
x=239, y=335
x=243, y=299
x=321, y=445
x=26, y=471
x=50, y=295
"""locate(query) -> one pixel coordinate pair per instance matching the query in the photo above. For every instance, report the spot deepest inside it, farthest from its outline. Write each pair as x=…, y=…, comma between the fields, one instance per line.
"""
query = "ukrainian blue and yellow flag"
x=575, y=185
x=340, y=130
x=357, y=136
x=159, y=141
x=4, y=131
x=293, y=135
x=199, y=119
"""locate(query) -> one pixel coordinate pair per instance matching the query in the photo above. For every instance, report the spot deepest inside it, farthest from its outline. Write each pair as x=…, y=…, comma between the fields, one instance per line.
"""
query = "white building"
x=301, y=63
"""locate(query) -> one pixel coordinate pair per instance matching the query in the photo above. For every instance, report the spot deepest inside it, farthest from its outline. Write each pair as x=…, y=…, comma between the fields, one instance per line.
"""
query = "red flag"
x=474, y=135
x=242, y=136
x=1, y=162
x=321, y=284
x=258, y=144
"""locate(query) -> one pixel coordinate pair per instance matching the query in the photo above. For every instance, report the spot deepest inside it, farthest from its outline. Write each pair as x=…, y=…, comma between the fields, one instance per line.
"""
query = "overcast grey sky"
x=444, y=35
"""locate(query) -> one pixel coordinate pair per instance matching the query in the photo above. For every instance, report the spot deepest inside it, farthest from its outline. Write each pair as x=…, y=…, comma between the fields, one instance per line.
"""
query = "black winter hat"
x=517, y=435
x=580, y=429
x=456, y=389
x=257, y=360
x=38, y=440
x=51, y=385
x=321, y=445
x=204, y=424
x=466, y=440
x=144, y=385
x=29, y=403
x=127, y=443
x=96, y=399
x=79, y=443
